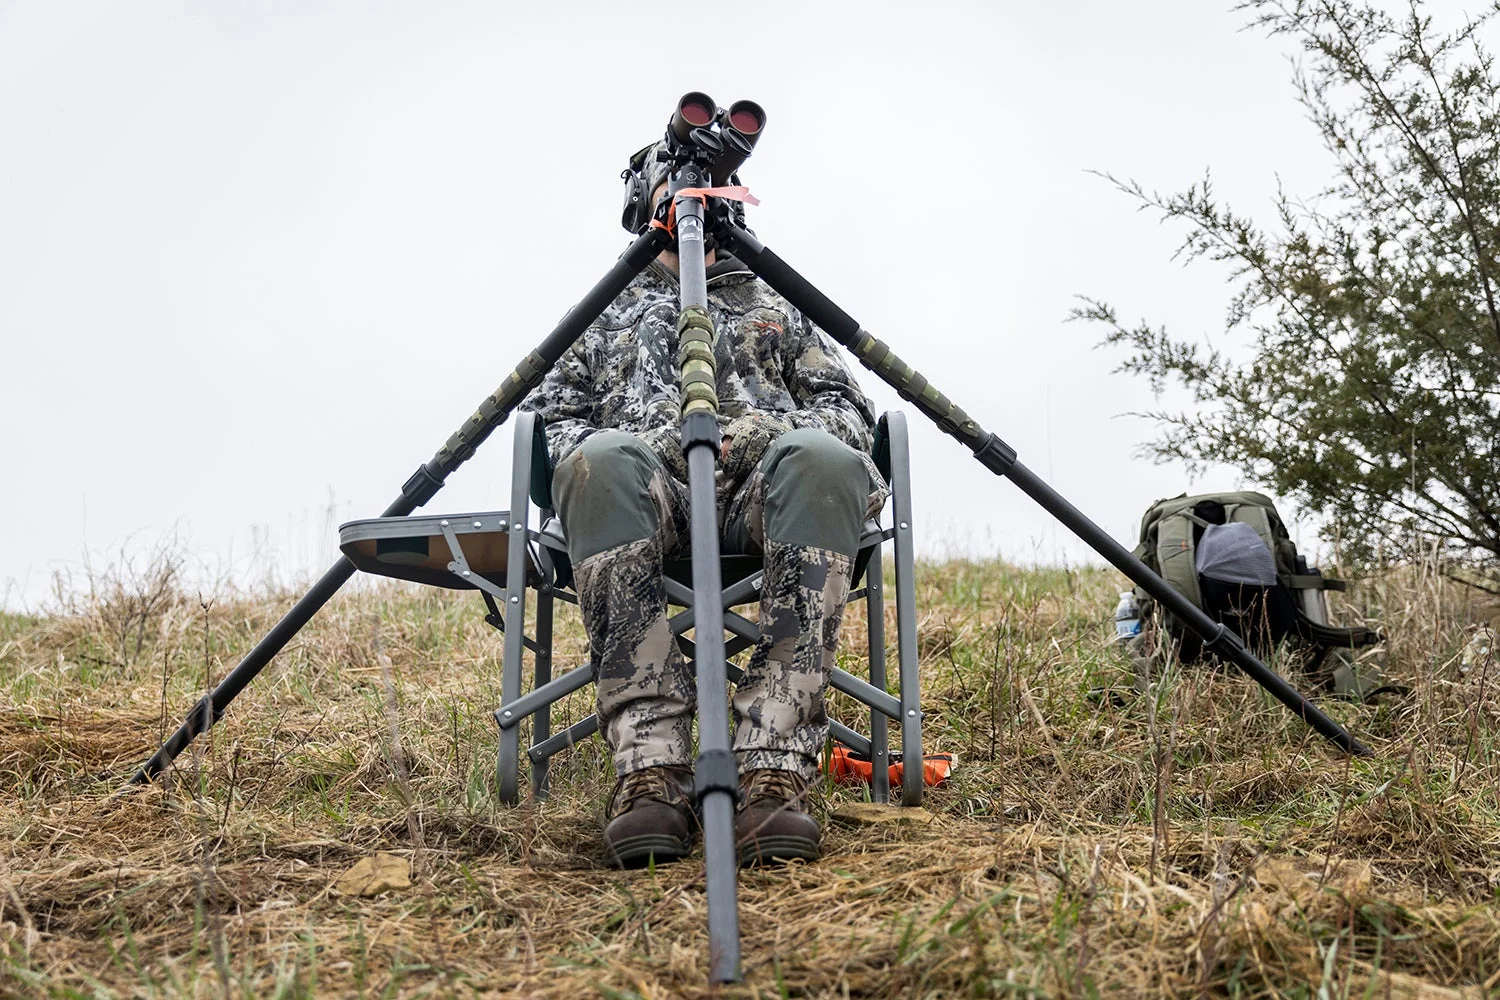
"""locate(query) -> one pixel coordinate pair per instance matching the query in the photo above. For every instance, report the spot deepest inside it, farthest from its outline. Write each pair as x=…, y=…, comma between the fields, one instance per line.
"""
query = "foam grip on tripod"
x=491, y=413
x=912, y=385
x=695, y=360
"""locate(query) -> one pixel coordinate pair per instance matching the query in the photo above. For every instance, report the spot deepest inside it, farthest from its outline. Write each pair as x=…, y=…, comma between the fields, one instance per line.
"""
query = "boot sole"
x=772, y=850
x=637, y=852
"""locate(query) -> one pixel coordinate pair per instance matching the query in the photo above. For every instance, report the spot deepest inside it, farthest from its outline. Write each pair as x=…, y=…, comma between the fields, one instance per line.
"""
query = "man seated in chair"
x=795, y=484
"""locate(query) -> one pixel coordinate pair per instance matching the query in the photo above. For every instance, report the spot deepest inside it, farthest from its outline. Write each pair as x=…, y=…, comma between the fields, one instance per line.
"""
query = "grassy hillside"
x=1191, y=840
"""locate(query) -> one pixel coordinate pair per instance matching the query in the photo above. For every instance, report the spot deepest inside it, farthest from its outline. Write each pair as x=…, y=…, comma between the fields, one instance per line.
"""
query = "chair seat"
x=416, y=548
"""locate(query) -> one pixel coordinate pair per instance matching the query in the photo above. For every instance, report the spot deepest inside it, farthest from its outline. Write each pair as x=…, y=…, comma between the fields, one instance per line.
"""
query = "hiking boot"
x=650, y=816
x=773, y=823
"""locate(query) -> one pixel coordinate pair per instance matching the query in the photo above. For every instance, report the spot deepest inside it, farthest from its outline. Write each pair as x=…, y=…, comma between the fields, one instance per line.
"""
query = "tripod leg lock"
x=700, y=428
x=716, y=771
x=421, y=487
x=995, y=455
x=1224, y=643
x=203, y=716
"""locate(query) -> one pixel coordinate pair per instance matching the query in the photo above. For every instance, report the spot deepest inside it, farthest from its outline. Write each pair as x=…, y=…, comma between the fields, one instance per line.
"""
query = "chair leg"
x=880, y=744
x=541, y=722
x=508, y=764
x=911, y=706
x=508, y=761
x=912, y=782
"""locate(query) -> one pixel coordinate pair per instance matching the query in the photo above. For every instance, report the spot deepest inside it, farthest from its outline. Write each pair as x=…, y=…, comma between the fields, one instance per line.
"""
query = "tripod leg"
x=997, y=456
x=420, y=488
x=211, y=707
x=715, y=775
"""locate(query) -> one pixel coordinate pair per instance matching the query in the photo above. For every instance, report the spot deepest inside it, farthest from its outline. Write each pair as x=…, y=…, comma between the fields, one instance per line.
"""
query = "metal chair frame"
x=537, y=559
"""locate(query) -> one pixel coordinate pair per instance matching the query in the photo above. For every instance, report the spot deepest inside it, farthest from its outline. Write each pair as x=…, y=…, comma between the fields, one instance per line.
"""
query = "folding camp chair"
x=503, y=554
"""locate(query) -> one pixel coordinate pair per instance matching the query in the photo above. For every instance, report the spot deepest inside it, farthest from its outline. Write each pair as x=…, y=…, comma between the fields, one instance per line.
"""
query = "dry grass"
x=1192, y=841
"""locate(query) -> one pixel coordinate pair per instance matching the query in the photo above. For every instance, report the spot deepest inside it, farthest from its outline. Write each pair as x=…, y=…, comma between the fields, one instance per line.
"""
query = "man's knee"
x=603, y=493
x=817, y=488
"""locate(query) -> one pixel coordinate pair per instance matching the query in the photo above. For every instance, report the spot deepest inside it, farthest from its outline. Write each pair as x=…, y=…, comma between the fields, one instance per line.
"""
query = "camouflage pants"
x=802, y=507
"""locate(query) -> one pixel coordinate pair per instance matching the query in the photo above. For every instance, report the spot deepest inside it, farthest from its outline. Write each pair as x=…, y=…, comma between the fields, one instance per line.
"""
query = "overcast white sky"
x=257, y=261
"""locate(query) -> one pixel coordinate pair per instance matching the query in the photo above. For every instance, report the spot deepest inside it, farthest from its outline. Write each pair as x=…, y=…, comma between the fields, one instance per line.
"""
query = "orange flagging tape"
x=850, y=768
x=737, y=193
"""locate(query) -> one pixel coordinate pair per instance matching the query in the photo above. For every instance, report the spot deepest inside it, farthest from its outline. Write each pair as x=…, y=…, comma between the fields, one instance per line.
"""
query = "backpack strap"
x=1260, y=519
x=1176, y=554
x=1312, y=581
x=1337, y=638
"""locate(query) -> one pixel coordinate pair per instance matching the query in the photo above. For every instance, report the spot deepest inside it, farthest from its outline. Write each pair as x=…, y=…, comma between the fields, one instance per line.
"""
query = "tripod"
x=699, y=159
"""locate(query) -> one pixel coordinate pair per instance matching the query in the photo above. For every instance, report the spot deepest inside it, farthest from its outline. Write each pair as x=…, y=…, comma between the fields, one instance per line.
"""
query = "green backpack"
x=1170, y=531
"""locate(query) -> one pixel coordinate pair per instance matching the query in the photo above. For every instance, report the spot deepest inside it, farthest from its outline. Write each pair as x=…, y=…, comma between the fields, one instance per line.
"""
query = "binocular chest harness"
x=705, y=146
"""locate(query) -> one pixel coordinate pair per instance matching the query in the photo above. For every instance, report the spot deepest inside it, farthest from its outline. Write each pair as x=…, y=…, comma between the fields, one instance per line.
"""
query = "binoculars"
x=699, y=129
x=739, y=126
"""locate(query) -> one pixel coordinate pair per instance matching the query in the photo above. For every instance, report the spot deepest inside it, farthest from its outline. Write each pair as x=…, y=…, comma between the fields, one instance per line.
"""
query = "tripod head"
x=718, y=140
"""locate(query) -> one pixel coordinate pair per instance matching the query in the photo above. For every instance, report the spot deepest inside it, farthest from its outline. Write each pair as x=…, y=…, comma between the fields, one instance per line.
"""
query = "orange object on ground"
x=849, y=767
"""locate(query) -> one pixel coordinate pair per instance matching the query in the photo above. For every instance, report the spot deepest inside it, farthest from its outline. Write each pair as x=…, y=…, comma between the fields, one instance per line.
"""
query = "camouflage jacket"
x=776, y=371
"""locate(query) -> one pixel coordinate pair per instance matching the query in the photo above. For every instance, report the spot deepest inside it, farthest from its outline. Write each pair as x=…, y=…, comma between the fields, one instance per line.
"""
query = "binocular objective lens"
x=745, y=121
x=695, y=114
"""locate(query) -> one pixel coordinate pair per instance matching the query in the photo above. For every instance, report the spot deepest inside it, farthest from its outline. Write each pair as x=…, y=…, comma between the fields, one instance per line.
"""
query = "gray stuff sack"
x=1235, y=553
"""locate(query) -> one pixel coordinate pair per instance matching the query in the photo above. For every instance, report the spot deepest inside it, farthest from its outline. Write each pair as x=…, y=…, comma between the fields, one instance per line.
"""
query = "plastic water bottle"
x=1480, y=650
x=1127, y=617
